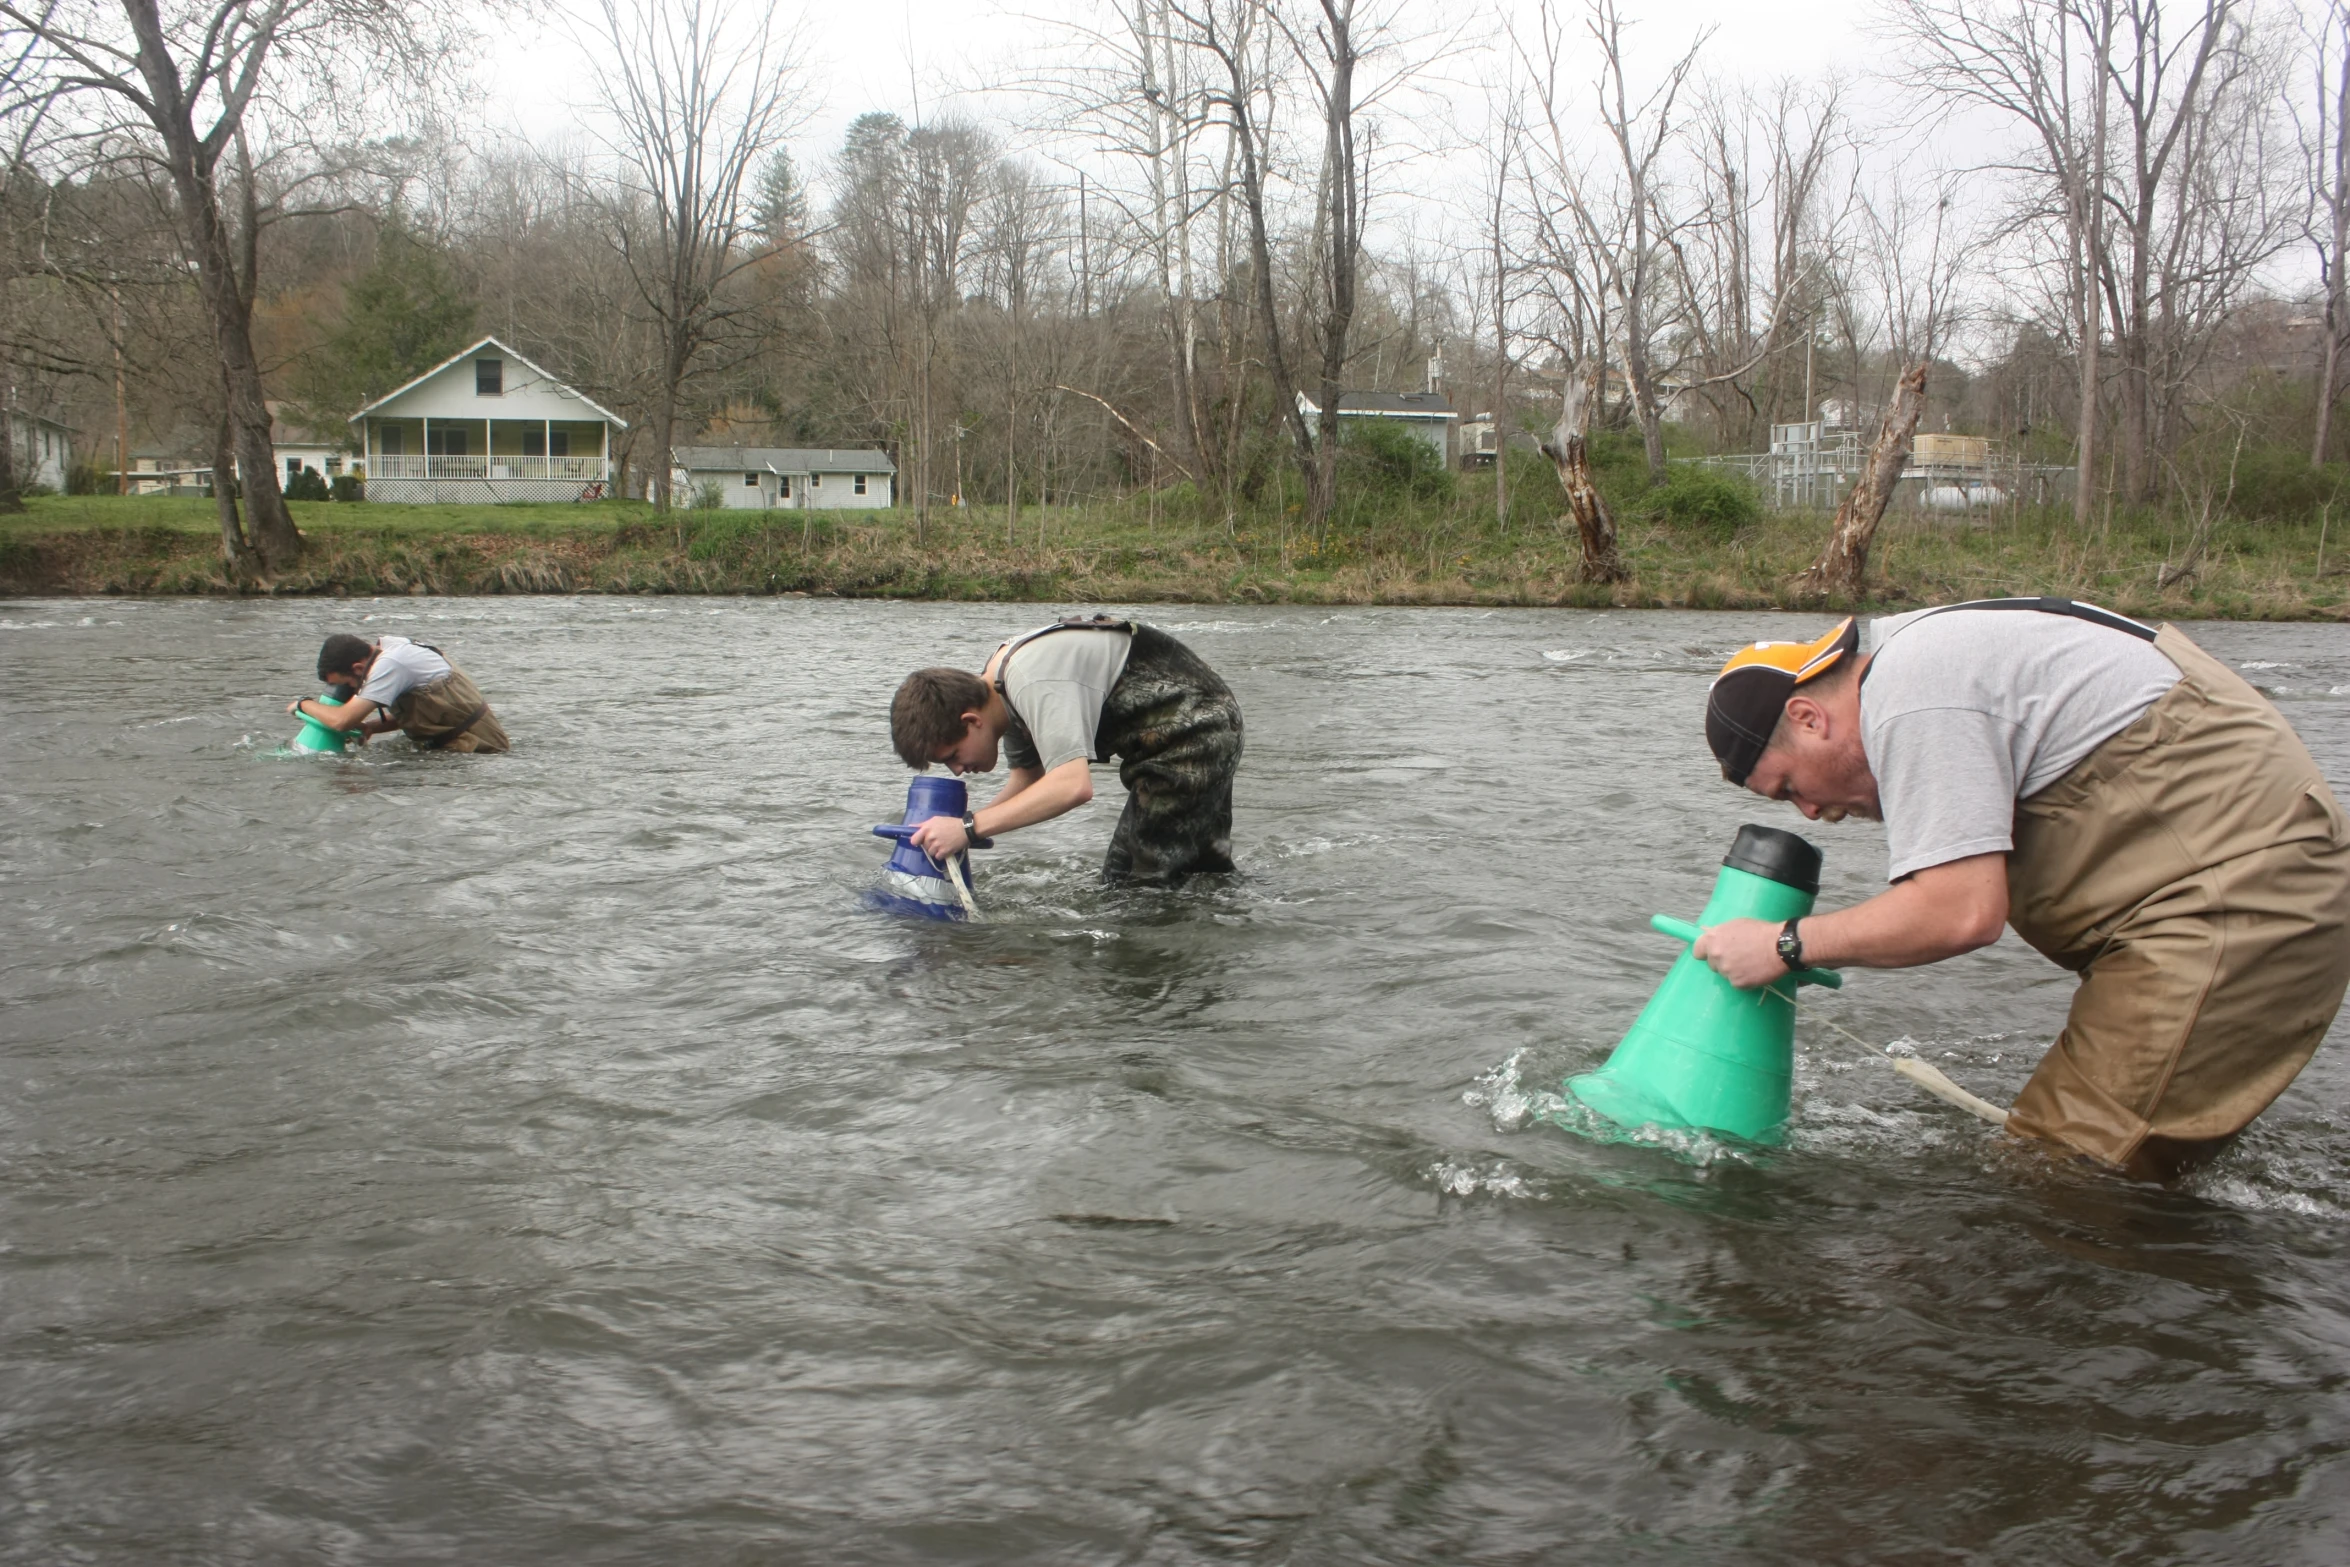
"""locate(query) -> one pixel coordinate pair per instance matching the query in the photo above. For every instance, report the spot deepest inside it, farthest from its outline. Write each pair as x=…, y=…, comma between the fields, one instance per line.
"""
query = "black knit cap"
x=1743, y=707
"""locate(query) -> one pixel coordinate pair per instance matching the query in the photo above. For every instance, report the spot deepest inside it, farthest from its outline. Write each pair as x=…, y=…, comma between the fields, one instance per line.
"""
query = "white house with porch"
x=487, y=425
x=786, y=478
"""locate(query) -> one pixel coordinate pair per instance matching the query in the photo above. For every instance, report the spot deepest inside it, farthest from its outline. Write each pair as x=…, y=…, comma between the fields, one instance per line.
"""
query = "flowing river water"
x=544, y=1159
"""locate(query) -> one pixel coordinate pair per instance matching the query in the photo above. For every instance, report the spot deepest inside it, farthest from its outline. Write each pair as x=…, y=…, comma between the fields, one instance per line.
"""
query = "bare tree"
x=1743, y=369
x=2046, y=65
x=2188, y=216
x=698, y=94
x=1624, y=225
x=1595, y=525
x=2326, y=151
x=191, y=76
x=1843, y=567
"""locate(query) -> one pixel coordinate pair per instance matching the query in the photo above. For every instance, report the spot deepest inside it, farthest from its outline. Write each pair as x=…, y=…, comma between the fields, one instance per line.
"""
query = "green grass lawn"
x=200, y=514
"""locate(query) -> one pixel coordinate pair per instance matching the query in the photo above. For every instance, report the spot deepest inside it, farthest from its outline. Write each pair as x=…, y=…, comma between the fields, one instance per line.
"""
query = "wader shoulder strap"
x=2046, y=606
x=1095, y=622
x=2055, y=606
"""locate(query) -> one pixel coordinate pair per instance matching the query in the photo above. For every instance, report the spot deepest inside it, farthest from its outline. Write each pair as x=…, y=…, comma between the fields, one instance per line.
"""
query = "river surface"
x=543, y=1158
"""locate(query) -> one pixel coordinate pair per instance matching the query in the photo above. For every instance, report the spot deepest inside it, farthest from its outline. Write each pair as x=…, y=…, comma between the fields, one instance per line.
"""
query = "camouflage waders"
x=1175, y=728
x=450, y=714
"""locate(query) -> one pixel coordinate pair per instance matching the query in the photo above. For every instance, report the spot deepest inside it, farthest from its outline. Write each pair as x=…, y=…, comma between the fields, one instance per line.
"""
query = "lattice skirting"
x=474, y=492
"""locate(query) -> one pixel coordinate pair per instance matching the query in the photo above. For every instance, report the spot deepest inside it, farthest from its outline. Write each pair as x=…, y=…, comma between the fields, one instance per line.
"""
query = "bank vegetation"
x=1698, y=544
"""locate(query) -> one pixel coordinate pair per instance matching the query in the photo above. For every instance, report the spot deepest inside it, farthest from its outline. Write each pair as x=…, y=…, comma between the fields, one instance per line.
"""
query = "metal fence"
x=1816, y=474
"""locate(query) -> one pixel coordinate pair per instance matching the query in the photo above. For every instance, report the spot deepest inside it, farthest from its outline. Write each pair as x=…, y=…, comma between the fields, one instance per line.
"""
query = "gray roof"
x=1393, y=405
x=784, y=459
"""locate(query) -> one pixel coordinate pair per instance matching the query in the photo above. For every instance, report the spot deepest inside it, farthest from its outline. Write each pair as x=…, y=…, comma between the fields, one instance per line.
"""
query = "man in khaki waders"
x=416, y=690
x=2128, y=803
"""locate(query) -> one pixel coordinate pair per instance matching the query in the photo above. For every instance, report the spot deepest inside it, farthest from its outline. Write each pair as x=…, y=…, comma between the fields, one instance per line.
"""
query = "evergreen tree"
x=405, y=314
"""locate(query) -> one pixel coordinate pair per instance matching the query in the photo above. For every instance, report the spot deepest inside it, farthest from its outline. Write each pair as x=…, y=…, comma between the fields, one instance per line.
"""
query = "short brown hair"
x=927, y=713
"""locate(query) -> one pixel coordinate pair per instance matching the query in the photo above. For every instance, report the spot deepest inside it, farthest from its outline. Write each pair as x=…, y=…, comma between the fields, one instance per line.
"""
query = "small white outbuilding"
x=786, y=478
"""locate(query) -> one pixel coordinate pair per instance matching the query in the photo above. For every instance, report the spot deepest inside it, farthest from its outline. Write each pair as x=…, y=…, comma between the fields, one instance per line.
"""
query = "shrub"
x=89, y=478
x=1704, y=502
x=708, y=496
x=2278, y=484
x=306, y=486
x=1379, y=457
x=348, y=487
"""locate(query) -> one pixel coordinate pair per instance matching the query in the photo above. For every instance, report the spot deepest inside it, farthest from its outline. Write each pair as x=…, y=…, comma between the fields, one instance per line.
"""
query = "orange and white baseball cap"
x=1742, y=709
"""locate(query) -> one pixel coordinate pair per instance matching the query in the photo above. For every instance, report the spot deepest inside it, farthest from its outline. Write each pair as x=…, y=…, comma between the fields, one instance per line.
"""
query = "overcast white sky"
x=887, y=54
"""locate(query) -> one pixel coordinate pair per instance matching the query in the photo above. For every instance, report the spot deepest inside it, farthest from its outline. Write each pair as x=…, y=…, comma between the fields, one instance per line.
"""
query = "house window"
x=559, y=444
x=489, y=377
x=447, y=441
x=815, y=481
x=391, y=440
x=293, y=467
x=783, y=487
x=860, y=484
x=532, y=440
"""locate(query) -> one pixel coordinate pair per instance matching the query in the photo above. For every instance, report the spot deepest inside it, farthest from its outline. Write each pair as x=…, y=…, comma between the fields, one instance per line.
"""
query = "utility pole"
x=122, y=416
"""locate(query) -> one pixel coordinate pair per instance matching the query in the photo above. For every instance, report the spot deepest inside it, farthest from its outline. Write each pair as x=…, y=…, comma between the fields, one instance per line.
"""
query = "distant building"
x=297, y=447
x=155, y=471
x=1481, y=441
x=1425, y=415
x=43, y=450
x=486, y=425
x=786, y=478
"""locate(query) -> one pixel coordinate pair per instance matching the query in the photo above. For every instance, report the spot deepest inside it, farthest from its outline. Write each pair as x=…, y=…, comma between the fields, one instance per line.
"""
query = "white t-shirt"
x=400, y=667
x=1056, y=686
x=1963, y=712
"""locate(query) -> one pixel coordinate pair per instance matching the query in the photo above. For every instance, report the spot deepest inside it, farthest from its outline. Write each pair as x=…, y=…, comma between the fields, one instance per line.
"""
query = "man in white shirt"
x=1057, y=700
x=2128, y=803
x=412, y=687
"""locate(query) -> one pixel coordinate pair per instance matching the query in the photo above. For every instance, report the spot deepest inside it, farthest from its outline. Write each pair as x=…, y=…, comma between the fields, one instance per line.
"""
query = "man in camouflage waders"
x=412, y=686
x=1062, y=697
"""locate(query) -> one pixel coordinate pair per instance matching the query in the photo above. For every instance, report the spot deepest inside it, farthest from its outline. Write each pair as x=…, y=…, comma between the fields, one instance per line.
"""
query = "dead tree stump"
x=1844, y=565
x=1600, y=561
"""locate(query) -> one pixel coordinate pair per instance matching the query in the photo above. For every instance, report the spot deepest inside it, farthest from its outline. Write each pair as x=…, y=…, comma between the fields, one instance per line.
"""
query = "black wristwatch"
x=1791, y=946
x=971, y=831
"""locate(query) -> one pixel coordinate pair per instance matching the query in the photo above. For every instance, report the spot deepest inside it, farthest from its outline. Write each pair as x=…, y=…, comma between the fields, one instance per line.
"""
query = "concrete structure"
x=785, y=478
x=1426, y=415
x=43, y=450
x=486, y=425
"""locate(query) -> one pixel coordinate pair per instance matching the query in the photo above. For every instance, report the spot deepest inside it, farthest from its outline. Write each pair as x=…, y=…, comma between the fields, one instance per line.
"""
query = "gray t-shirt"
x=1966, y=711
x=1056, y=686
x=400, y=667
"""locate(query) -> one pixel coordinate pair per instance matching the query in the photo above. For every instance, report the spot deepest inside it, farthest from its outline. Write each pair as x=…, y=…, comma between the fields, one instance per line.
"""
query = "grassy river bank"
x=1145, y=549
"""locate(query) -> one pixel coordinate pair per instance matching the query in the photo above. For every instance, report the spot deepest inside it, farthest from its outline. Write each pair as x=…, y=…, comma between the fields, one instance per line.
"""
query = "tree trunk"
x=2089, y=220
x=1341, y=222
x=1844, y=565
x=194, y=165
x=2329, y=381
x=2336, y=188
x=236, y=551
x=1600, y=562
x=11, y=496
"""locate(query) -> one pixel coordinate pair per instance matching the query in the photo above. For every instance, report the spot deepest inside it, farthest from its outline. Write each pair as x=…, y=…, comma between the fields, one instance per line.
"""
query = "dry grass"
x=1445, y=552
